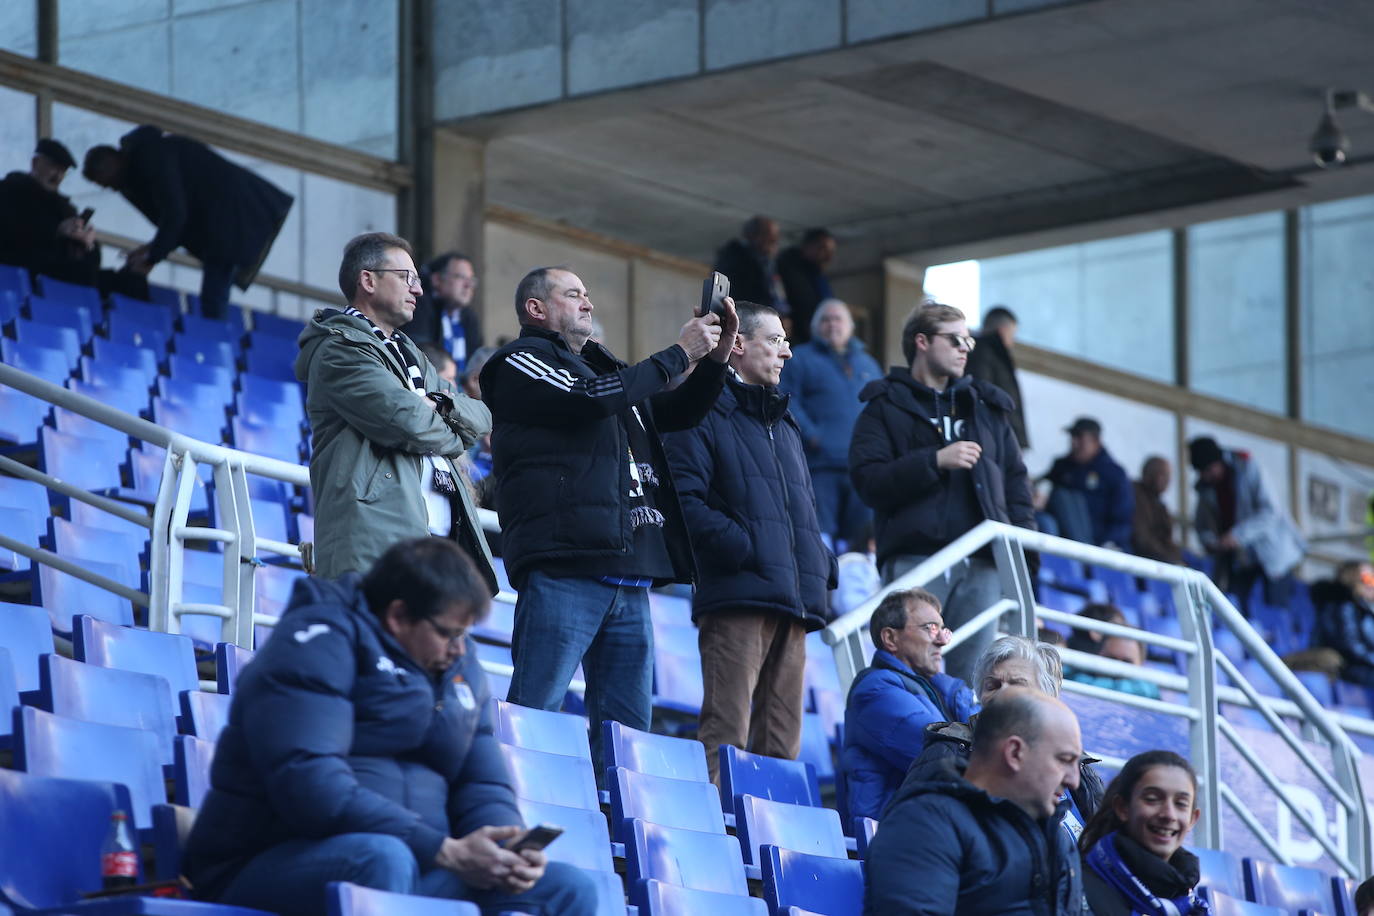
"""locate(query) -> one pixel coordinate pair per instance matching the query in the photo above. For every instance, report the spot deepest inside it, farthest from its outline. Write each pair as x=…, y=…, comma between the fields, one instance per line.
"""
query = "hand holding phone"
x=713, y=292
x=536, y=837
x=86, y=214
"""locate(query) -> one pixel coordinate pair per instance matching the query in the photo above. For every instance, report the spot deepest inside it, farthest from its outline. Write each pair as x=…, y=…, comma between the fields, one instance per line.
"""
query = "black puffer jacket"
x=559, y=445
x=892, y=462
x=747, y=497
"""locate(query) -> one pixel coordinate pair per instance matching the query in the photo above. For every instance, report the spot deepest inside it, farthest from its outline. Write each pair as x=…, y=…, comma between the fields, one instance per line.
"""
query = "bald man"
x=988, y=842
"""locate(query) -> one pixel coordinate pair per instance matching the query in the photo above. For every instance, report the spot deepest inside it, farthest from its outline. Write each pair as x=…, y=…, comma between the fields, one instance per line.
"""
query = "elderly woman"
x=1011, y=661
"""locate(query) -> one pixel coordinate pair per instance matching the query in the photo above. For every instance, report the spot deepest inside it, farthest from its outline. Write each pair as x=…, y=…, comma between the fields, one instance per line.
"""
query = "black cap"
x=1203, y=452
x=55, y=151
x=1084, y=425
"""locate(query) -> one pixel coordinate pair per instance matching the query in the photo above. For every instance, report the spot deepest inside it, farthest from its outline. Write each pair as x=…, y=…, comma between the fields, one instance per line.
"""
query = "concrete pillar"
x=458, y=207
x=904, y=289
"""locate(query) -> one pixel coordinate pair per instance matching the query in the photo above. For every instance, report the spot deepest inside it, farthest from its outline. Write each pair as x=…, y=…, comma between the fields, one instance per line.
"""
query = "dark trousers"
x=215, y=280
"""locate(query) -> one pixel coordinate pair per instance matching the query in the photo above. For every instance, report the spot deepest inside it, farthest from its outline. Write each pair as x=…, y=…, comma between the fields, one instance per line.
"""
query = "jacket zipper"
x=787, y=504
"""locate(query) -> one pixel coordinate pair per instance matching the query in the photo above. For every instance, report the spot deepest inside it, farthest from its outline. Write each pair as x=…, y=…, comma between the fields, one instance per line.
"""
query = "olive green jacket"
x=371, y=435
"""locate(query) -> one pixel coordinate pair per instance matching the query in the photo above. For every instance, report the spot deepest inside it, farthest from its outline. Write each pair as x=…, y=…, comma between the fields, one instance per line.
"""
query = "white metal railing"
x=1198, y=602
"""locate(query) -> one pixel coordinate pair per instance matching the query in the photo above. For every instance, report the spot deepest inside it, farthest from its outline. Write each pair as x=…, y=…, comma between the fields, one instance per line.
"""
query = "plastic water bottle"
x=119, y=855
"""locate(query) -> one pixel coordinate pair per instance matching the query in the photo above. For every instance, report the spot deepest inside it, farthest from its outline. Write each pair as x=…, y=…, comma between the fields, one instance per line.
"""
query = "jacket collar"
x=593, y=353
x=763, y=401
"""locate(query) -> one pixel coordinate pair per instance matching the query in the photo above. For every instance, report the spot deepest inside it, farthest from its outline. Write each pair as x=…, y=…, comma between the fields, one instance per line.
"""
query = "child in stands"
x=1133, y=855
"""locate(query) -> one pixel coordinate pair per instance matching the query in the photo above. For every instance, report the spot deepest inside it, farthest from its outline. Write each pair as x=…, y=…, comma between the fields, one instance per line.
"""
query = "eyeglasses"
x=410, y=277
x=934, y=629
x=956, y=340
x=451, y=635
x=777, y=341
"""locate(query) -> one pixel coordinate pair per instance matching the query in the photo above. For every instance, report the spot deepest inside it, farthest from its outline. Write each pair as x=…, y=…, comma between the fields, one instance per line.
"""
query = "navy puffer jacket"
x=750, y=510
x=335, y=729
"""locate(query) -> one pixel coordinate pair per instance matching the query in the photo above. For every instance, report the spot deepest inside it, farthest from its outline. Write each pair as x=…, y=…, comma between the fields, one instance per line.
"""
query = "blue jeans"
x=290, y=879
x=1070, y=511
x=560, y=622
x=842, y=516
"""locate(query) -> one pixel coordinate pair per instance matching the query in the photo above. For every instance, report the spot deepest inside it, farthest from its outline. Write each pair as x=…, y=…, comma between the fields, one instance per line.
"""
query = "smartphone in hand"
x=535, y=838
x=713, y=292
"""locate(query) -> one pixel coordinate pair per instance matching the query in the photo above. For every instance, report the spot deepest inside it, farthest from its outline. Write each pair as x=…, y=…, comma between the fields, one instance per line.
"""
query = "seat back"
x=87, y=297
x=204, y=714
x=656, y=755
x=229, y=661
x=1219, y=870
x=540, y=730
x=191, y=767
x=56, y=827
x=49, y=745
x=688, y=858
x=1289, y=887
x=91, y=464
x=9, y=693
x=344, y=898
x=585, y=841
x=1226, y=905
x=761, y=822
x=108, y=695
x=657, y=898
x=170, y=655
x=47, y=363
x=115, y=353
x=743, y=773
x=60, y=594
x=26, y=632
x=149, y=315
x=822, y=883
x=82, y=542
x=551, y=778
x=681, y=803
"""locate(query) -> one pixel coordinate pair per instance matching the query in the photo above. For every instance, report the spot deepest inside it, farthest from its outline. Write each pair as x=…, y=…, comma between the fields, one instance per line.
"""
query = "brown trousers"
x=753, y=668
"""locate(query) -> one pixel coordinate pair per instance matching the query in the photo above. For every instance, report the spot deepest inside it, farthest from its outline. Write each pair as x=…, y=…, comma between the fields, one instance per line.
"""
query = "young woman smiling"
x=1133, y=855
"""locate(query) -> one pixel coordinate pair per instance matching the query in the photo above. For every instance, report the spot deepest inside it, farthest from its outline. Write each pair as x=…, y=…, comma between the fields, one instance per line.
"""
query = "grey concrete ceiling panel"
x=492, y=56
x=631, y=42
x=747, y=31
x=866, y=20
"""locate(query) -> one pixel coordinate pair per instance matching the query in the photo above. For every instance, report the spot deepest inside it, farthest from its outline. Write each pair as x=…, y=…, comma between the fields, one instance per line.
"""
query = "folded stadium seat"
x=1227, y=905
x=52, y=745
x=22, y=525
x=186, y=369
x=802, y=828
x=815, y=748
x=108, y=696
x=258, y=388
x=92, y=517
x=112, y=440
x=198, y=395
x=1228, y=644
x=1219, y=870
x=229, y=661
x=268, y=325
x=70, y=293
x=15, y=280
x=554, y=779
x=829, y=705
x=50, y=337
x=205, y=423
x=283, y=443
x=498, y=684
x=271, y=358
x=64, y=314
x=145, y=476
x=1290, y=887
x=171, y=829
x=865, y=829
x=657, y=898
x=584, y=842
x=670, y=610
x=1165, y=626
x=91, y=464
x=1121, y=586
x=132, y=400
x=16, y=493
x=47, y=363
x=540, y=730
x=165, y=297
x=204, y=714
x=500, y=655
x=677, y=670
x=170, y=655
x=743, y=773
x=191, y=770
x=348, y=899
x=27, y=634
x=1062, y=571
x=11, y=305
x=266, y=412
x=1056, y=599
x=656, y=755
x=499, y=625
x=114, y=353
x=1261, y=679
x=1164, y=594
x=205, y=351
x=233, y=314
x=1343, y=889
x=60, y=594
x=9, y=696
x=20, y=416
x=137, y=313
x=122, y=329
x=820, y=884
x=194, y=327
x=1353, y=698
x=273, y=588
x=683, y=803
x=305, y=527
x=1319, y=685
x=686, y=858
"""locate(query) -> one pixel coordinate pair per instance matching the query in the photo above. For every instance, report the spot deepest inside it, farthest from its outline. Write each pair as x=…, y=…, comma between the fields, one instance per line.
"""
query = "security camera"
x=1329, y=144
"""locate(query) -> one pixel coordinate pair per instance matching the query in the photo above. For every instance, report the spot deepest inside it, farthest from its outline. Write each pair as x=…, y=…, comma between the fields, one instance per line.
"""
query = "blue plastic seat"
x=823, y=884
x=101, y=374
x=682, y=803
x=84, y=543
x=265, y=323
x=815, y=748
x=112, y=441
x=865, y=829
x=670, y=610
x=1227, y=905
x=677, y=673
x=169, y=655
x=554, y=779
x=186, y=369
x=15, y=279
x=540, y=730
x=93, y=517
x=656, y=898
x=109, y=696
x=70, y=293
x=26, y=632
x=272, y=441
x=204, y=714
x=656, y=755
x=687, y=858
x=261, y=388
x=196, y=422
x=191, y=769
x=165, y=296
x=46, y=363
x=21, y=415
x=1058, y=600
x=270, y=360
x=743, y=773
x=61, y=594
x=1063, y=571
x=192, y=394
x=51, y=337
x=118, y=353
x=22, y=525
x=1220, y=870
x=148, y=315
x=585, y=841
x=210, y=352
x=1289, y=887
x=9, y=696
x=51, y=745
x=346, y=899
x=797, y=827
x=201, y=328
x=262, y=412
x=229, y=661
x=132, y=400
x=63, y=314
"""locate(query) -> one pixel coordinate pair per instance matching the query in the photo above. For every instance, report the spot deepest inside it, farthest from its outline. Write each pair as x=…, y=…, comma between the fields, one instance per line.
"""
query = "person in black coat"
x=444, y=316
x=223, y=214
x=748, y=262
x=801, y=268
x=992, y=361
x=764, y=571
x=39, y=228
x=1133, y=855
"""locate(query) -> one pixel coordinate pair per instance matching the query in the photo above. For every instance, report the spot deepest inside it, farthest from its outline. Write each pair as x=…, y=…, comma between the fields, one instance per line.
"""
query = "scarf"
x=1106, y=859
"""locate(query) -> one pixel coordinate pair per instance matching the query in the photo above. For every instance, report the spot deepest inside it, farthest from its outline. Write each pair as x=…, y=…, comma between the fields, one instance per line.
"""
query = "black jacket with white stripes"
x=559, y=447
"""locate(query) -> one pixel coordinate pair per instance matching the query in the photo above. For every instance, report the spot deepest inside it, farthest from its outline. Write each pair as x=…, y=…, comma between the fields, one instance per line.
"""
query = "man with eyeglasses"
x=934, y=454
x=590, y=516
x=444, y=315
x=360, y=748
x=386, y=429
x=764, y=571
x=892, y=701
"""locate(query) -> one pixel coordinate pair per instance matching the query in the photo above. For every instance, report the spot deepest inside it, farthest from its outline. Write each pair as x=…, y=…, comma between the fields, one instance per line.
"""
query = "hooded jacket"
x=825, y=388
x=918, y=506
x=335, y=729
x=1106, y=490
x=885, y=718
x=370, y=435
x=1261, y=527
x=948, y=848
x=1346, y=624
x=746, y=495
